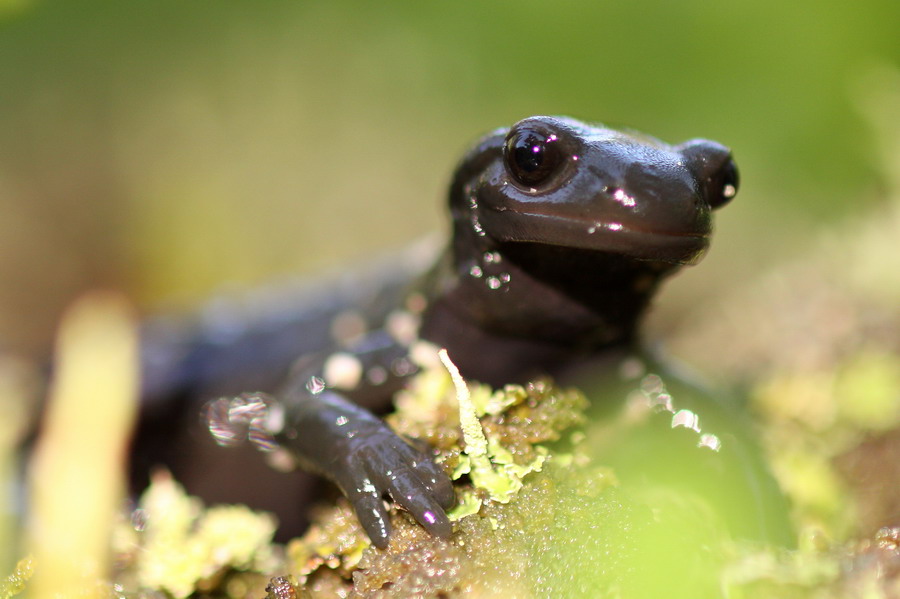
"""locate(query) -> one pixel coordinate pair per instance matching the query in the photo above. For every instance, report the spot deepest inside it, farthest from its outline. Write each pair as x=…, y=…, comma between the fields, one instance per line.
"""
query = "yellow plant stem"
x=76, y=472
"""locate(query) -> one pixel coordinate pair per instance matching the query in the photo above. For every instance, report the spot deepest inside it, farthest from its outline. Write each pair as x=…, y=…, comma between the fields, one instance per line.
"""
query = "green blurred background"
x=171, y=147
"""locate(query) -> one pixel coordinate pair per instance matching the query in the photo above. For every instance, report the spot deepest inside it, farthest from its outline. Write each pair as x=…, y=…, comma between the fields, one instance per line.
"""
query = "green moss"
x=572, y=527
x=537, y=515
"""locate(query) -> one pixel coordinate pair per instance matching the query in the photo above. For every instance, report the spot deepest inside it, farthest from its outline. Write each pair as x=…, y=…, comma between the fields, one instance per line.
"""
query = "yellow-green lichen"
x=490, y=465
x=182, y=547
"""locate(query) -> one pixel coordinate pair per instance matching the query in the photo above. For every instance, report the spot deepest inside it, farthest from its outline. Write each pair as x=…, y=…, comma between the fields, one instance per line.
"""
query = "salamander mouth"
x=670, y=246
x=610, y=279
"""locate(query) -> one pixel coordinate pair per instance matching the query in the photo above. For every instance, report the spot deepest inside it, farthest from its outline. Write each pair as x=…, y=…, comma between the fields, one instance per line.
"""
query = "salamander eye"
x=724, y=185
x=531, y=156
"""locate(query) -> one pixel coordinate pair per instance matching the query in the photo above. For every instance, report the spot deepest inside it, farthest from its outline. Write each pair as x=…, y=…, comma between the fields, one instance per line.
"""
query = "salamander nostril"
x=729, y=184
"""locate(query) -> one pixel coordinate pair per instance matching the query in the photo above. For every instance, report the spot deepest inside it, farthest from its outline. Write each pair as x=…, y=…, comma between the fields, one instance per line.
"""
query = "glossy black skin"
x=585, y=248
x=581, y=250
x=562, y=232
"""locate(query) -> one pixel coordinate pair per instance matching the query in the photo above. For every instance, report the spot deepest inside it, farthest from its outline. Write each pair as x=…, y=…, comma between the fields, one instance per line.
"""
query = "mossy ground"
x=577, y=522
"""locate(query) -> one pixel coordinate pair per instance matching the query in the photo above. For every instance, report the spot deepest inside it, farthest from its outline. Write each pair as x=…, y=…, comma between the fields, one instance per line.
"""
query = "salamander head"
x=563, y=230
x=559, y=182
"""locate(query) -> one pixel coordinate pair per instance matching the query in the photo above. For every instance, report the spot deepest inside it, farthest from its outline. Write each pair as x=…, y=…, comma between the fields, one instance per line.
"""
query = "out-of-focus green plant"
x=16, y=582
x=76, y=469
x=179, y=547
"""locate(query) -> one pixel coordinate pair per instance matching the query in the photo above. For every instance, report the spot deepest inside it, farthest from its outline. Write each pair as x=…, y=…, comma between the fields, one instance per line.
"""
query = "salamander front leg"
x=366, y=460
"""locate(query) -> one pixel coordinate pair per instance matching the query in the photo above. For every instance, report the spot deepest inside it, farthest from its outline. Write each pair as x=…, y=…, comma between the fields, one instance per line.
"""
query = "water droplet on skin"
x=623, y=198
x=663, y=403
x=476, y=272
x=476, y=226
x=139, y=519
x=710, y=442
x=686, y=419
x=260, y=438
x=218, y=423
x=651, y=384
x=246, y=408
x=493, y=283
x=315, y=385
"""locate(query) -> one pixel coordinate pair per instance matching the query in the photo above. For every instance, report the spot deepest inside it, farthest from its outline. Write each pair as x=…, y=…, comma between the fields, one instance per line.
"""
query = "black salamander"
x=562, y=232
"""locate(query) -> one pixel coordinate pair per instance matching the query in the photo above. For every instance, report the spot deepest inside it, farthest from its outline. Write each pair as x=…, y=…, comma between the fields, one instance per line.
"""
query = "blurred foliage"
x=76, y=468
x=175, y=545
x=169, y=147
x=15, y=583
